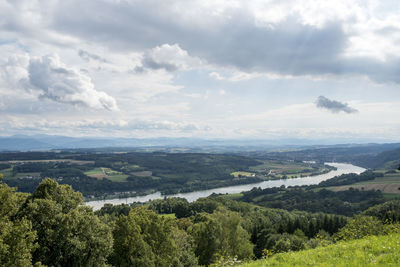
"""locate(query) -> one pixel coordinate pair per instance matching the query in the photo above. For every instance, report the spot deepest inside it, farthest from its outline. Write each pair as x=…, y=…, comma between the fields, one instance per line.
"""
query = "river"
x=342, y=168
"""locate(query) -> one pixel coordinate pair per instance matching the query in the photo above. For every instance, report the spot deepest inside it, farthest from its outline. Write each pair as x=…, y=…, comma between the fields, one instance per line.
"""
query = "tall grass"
x=370, y=251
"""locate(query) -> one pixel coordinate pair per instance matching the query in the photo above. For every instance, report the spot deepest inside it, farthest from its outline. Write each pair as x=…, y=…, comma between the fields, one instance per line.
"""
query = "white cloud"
x=165, y=62
x=53, y=80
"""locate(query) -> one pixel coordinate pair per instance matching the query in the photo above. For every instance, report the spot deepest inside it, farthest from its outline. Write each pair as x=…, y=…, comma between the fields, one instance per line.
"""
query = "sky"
x=207, y=69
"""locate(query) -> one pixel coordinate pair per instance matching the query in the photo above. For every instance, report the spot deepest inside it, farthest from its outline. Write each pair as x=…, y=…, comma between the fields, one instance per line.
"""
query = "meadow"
x=370, y=251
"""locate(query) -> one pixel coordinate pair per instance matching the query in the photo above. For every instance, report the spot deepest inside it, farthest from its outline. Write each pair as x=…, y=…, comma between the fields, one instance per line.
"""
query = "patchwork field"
x=390, y=184
x=285, y=169
x=108, y=173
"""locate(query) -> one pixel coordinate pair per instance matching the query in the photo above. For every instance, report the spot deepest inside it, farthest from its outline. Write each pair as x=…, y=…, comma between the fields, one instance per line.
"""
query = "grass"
x=95, y=171
x=234, y=196
x=389, y=196
x=7, y=173
x=280, y=166
x=371, y=251
x=246, y=174
x=108, y=173
x=24, y=174
x=389, y=183
x=143, y=173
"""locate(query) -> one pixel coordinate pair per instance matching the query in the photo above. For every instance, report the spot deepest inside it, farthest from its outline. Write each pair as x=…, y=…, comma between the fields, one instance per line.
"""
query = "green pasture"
x=108, y=173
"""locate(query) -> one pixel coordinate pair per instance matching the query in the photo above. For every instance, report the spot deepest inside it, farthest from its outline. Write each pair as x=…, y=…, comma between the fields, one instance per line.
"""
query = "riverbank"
x=342, y=168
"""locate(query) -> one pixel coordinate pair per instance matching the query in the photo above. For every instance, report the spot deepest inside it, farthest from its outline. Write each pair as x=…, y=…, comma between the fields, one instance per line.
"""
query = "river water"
x=342, y=168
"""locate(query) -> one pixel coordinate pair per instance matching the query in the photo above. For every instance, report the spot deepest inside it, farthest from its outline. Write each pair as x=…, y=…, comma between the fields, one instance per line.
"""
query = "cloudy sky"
x=211, y=69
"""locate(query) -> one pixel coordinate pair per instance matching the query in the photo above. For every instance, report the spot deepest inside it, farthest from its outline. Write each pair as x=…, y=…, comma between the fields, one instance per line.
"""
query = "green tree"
x=221, y=234
x=143, y=238
x=68, y=233
x=16, y=235
x=359, y=227
x=184, y=244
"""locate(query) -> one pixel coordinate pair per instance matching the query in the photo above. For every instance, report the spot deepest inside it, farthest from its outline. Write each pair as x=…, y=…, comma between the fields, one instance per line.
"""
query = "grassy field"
x=246, y=174
x=371, y=251
x=142, y=173
x=112, y=175
x=284, y=169
x=390, y=184
x=280, y=166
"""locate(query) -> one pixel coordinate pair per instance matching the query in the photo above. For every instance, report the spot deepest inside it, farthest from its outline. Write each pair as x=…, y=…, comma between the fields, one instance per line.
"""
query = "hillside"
x=374, y=250
x=385, y=160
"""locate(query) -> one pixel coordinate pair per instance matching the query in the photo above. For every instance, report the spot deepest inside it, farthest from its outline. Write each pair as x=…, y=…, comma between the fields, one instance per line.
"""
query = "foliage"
x=388, y=211
x=350, y=178
x=16, y=235
x=348, y=202
x=4, y=166
x=221, y=234
x=68, y=234
x=359, y=227
x=143, y=239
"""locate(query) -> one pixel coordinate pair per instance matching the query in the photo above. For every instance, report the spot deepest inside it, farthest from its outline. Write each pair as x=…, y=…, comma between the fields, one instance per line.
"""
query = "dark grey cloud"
x=334, y=106
x=287, y=47
x=89, y=56
x=149, y=63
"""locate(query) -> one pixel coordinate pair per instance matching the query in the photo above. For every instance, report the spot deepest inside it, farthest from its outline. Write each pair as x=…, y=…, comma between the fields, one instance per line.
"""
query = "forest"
x=53, y=227
x=45, y=222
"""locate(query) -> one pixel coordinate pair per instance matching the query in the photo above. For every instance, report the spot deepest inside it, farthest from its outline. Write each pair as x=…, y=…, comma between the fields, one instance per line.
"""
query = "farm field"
x=390, y=184
x=279, y=169
x=108, y=173
x=143, y=173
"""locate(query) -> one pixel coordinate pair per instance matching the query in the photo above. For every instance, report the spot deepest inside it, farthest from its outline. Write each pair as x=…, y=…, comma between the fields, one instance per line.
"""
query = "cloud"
x=334, y=106
x=89, y=56
x=90, y=126
x=299, y=38
x=55, y=81
x=167, y=57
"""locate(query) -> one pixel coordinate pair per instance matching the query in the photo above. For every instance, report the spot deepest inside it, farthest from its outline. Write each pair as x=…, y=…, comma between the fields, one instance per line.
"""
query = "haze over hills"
x=48, y=142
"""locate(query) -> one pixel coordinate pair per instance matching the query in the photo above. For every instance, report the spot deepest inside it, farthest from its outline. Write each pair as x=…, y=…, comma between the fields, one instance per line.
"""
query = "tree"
x=184, y=244
x=68, y=233
x=221, y=234
x=143, y=238
x=16, y=235
x=359, y=227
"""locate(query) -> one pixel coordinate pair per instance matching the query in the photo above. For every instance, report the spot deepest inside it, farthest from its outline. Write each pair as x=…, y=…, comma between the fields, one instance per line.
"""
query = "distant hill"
x=313, y=148
x=364, y=155
x=384, y=160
